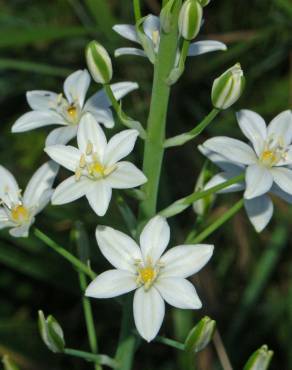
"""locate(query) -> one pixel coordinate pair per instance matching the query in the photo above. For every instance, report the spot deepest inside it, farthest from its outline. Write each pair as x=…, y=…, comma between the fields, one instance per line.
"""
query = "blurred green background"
x=247, y=287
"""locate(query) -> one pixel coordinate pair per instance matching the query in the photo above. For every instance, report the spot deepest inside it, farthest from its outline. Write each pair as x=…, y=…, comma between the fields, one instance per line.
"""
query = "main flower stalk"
x=154, y=151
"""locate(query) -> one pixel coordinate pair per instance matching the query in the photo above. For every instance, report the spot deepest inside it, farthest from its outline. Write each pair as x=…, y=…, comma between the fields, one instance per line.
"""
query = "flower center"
x=72, y=112
x=20, y=214
x=273, y=153
x=96, y=169
x=147, y=275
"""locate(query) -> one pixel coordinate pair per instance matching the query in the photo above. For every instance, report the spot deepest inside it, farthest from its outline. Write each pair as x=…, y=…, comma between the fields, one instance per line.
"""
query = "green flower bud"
x=201, y=335
x=260, y=359
x=190, y=19
x=227, y=88
x=204, y=2
x=51, y=333
x=99, y=63
x=8, y=364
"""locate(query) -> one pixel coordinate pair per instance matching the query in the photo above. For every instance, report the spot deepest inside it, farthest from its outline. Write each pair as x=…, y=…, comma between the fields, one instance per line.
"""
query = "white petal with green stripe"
x=190, y=19
x=99, y=63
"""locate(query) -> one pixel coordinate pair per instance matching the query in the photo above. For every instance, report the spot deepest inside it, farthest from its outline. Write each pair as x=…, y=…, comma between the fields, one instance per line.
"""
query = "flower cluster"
x=266, y=163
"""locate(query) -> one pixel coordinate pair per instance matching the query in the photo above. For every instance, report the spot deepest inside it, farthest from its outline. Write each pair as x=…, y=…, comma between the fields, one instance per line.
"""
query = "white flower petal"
x=43, y=201
x=111, y=284
x=41, y=99
x=125, y=176
x=129, y=51
x=103, y=116
x=4, y=220
x=203, y=47
x=221, y=161
x=232, y=149
x=151, y=25
x=283, y=178
x=259, y=181
x=9, y=190
x=100, y=99
x=154, y=239
x=70, y=190
x=89, y=131
x=36, y=119
x=99, y=197
x=185, y=260
x=281, y=194
x=41, y=181
x=259, y=211
x=21, y=231
x=119, y=146
x=118, y=248
x=149, y=310
x=76, y=86
x=127, y=31
x=178, y=292
x=254, y=128
x=280, y=128
x=222, y=177
x=67, y=156
x=61, y=135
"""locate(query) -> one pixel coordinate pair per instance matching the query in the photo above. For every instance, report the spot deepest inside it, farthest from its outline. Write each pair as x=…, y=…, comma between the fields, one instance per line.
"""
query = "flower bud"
x=51, y=333
x=202, y=206
x=227, y=88
x=204, y=2
x=99, y=63
x=201, y=335
x=260, y=359
x=8, y=364
x=190, y=19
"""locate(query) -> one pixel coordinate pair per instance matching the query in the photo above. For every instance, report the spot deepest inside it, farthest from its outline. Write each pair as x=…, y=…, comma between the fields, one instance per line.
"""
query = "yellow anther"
x=269, y=157
x=155, y=37
x=78, y=174
x=59, y=99
x=89, y=148
x=82, y=162
x=20, y=214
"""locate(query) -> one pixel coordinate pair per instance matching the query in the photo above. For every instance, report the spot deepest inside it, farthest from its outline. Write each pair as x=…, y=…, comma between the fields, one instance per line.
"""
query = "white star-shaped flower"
x=151, y=27
x=266, y=163
x=157, y=277
x=49, y=108
x=96, y=165
x=18, y=212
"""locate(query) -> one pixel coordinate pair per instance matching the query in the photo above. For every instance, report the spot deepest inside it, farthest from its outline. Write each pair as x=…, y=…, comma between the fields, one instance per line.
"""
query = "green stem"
x=170, y=343
x=218, y=223
x=89, y=319
x=183, y=203
x=127, y=342
x=64, y=253
x=101, y=359
x=137, y=10
x=154, y=151
x=187, y=136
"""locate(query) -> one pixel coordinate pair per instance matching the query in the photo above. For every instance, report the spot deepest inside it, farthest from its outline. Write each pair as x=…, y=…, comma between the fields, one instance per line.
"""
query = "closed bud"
x=260, y=359
x=99, y=63
x=51, y=333
x=227, y=88
x=8, y=364
x=201, y=335
x=190, y=19
x=204, y=2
